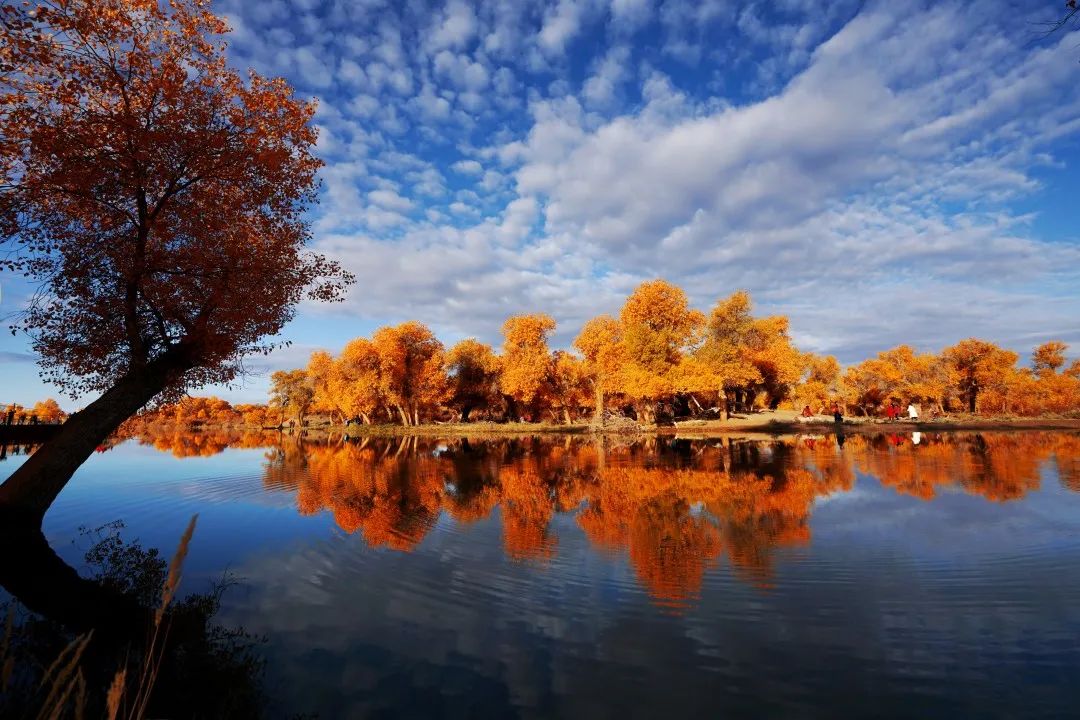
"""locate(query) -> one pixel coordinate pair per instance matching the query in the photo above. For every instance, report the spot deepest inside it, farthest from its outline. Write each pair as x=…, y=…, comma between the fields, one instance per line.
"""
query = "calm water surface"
x=889, y=576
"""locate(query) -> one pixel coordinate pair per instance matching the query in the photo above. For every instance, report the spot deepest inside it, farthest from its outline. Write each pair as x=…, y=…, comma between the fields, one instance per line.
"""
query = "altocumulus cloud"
x=869, y=169
x=882, y=171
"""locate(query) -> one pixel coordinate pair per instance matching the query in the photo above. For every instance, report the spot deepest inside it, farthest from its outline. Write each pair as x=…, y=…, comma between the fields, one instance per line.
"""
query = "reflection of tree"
x=670, y=506
x=183, y=443
x=202, y=669
x=388, y=491
x=670, y=547
x=674, y=507
x=996, y=466
x=527, y=508
x=1067, y=460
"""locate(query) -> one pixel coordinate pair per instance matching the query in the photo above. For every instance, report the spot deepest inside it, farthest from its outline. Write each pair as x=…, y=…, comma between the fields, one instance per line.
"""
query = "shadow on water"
x=67, y=637
x=202, y=669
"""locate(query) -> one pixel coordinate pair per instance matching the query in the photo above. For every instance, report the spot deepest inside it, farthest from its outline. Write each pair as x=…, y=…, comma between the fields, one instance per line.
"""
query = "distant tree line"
x=659, y=358
x=46, y=412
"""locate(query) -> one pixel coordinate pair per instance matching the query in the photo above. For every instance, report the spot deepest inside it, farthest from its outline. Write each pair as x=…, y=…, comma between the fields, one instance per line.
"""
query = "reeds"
x=116, y=694
x=63, y=683
x=159, y=635
x=64, y=680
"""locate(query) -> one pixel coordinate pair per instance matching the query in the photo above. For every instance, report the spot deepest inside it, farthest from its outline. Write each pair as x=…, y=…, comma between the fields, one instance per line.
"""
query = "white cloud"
x=602, y=87
x=468, y=167
x=390, y=200
x=561, y=24
x=457, y=26
x=628, y=15
x=845, y=162
x=311, y=68
x=463, y=72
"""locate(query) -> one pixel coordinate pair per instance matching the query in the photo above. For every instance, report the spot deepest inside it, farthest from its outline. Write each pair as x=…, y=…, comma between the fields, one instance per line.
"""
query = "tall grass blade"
x=116, y=694
x=155, y=650
x=62, y=677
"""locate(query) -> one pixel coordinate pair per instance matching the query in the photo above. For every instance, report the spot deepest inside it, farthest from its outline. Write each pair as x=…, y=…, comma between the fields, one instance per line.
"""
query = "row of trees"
x=45, y=411
x=200, y=411
x=659, y=356
x=973, y=375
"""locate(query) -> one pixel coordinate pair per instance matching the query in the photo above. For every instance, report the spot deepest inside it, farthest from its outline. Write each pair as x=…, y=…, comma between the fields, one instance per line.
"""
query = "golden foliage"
x=157, y=194
x=658, y=328
x=661, y=355
x=473, y=372
x=411, y=373
x=527, y=364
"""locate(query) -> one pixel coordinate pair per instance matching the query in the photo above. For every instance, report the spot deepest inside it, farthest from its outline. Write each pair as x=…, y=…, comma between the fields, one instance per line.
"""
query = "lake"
x=894, y=575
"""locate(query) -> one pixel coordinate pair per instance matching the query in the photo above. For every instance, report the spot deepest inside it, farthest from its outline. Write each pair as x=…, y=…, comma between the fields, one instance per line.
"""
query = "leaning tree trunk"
x=32, y=488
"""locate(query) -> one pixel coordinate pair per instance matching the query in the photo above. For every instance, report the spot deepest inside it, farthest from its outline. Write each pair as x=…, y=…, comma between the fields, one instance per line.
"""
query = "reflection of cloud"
x=456, y=624
x=894, y=598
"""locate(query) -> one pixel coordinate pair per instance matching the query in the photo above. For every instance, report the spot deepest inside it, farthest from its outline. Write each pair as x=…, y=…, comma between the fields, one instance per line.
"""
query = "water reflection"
x=554, y=576
x=675, y=507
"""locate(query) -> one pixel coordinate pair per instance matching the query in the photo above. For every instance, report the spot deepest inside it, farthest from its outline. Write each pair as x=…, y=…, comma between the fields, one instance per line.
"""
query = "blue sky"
x=882, y=172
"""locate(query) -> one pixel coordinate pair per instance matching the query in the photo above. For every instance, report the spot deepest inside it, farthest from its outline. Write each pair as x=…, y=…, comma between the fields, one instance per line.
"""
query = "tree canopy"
x=156, y=195
x=661, y=358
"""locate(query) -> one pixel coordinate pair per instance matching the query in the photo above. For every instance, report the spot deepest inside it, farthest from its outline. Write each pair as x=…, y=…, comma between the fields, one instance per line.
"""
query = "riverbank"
x=787, y=422
x=776, y=422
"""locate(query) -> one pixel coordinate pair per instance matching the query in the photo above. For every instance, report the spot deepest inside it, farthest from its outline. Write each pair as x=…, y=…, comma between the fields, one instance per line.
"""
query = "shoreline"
x=764, y=424
x=789, y=427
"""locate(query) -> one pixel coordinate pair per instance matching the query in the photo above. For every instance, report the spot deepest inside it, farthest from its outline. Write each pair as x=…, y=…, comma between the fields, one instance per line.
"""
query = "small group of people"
x=893, y=411
x=835, y=411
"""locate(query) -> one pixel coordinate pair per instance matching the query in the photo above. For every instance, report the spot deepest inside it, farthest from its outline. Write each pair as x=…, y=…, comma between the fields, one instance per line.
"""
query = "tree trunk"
x=566, y=416
x=34, y=486
x=367, y=420
x=973, y=395
x=404, y=416
x=511, y=409
x=598, y=414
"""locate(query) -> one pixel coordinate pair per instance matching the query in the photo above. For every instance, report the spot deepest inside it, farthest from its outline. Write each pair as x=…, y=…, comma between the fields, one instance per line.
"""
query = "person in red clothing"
x=807, y=412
